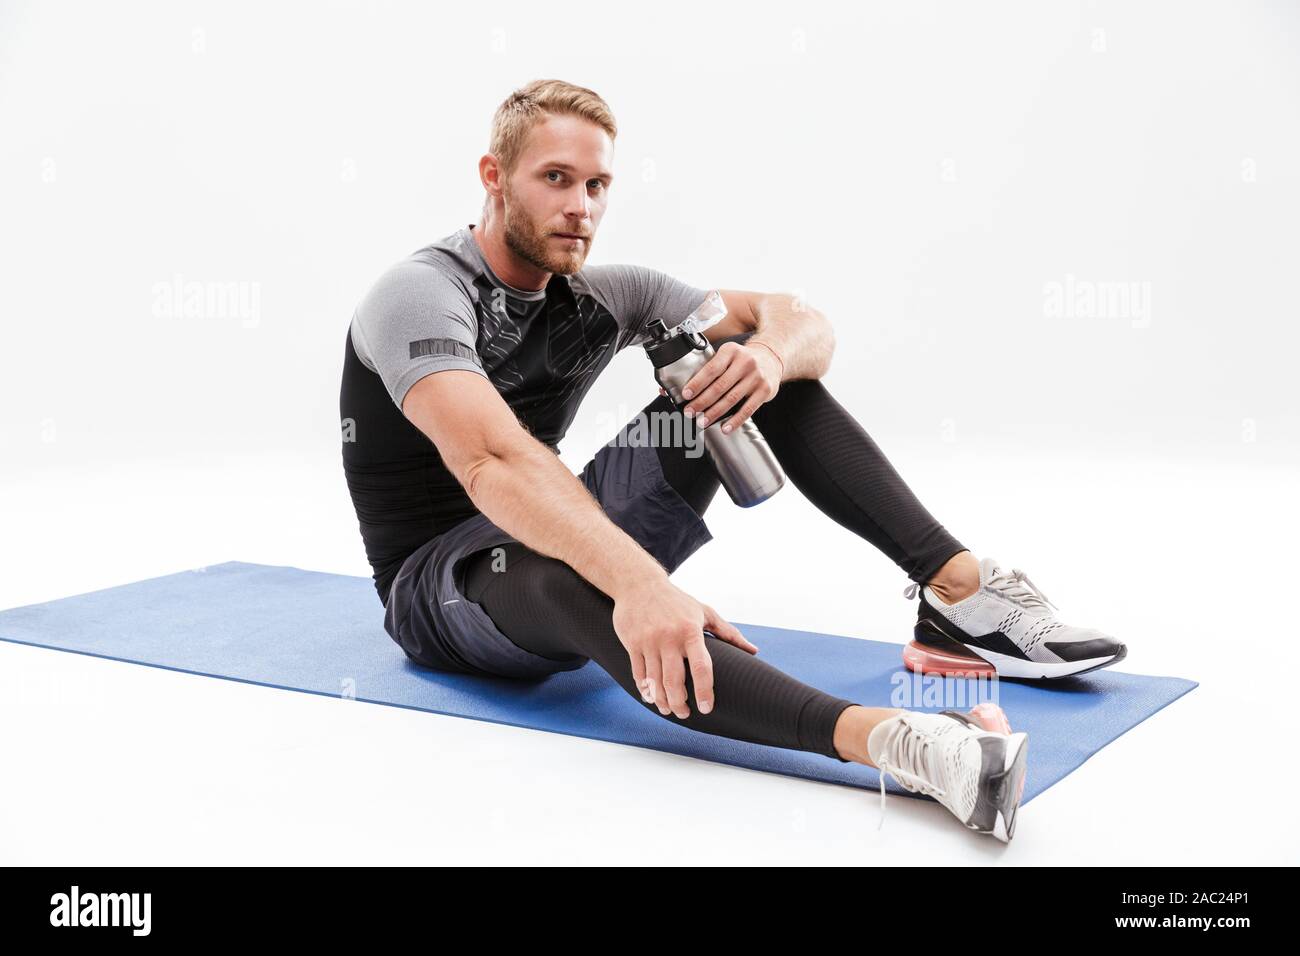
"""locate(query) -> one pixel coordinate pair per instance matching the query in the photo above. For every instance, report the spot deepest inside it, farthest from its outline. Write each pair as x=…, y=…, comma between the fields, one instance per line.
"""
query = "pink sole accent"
x=927, y=660
x=991, y=717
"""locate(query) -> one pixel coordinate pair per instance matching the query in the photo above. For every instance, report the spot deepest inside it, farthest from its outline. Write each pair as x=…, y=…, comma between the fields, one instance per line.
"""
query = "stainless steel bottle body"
x=744, y=462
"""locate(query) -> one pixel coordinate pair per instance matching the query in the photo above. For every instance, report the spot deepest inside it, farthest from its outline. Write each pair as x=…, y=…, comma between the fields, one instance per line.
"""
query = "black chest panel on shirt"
x=543, y=356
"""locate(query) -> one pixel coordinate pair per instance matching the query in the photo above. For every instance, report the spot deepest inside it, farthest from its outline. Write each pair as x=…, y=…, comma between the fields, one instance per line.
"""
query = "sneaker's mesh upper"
x=935, y=754
x=1029, y=627
x=961, y=612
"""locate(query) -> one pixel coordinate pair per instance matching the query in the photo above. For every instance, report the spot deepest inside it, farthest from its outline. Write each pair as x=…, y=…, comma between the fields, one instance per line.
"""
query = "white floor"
x=1182, y=555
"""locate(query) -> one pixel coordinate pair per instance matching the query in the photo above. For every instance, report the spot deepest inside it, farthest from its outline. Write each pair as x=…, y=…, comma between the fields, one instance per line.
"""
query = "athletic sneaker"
x=1005, y=628
x=978, y=774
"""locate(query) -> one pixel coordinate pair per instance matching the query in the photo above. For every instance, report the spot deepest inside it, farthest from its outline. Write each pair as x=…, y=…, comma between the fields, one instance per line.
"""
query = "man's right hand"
x=661, y=626
x=524, y=488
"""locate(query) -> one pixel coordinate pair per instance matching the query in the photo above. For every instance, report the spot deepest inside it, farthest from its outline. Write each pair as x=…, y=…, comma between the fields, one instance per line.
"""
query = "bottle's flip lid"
x=709, y=313
x=666, y=345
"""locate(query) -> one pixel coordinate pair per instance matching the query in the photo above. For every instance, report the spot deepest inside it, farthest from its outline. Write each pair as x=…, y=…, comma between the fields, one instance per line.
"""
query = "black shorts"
x=430, y=618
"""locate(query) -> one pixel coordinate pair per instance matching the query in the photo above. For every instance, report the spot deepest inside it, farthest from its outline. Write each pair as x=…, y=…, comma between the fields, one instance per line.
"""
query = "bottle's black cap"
x=664, y=347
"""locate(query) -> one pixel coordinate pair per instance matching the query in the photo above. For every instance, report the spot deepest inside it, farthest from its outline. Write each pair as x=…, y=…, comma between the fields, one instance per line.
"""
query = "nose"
x=577, y=205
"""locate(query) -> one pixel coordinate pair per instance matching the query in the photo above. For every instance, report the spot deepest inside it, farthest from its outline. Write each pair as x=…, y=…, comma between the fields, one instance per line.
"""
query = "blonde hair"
x=529, y=105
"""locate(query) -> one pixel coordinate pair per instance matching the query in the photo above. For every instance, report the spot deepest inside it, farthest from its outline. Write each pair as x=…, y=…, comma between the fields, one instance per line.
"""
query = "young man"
x=464, y=366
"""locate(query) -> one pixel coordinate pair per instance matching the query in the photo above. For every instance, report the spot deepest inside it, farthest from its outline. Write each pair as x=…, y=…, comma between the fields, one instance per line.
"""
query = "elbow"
x=513, y=452
x=471, y=475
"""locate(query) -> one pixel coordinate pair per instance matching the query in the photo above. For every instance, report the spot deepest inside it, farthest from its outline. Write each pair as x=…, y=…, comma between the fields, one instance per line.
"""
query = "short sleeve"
x=637, y=295
x=414, y=321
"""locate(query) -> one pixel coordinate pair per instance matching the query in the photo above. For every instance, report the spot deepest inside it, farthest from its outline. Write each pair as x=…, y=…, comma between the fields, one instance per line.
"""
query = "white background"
x=925, y=174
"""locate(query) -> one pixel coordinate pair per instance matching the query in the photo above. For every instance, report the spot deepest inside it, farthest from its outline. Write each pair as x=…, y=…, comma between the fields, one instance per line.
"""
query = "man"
x=465, y=365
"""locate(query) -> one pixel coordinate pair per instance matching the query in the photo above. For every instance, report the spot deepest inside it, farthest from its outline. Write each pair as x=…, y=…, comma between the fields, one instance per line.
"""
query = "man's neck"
x=508, y=267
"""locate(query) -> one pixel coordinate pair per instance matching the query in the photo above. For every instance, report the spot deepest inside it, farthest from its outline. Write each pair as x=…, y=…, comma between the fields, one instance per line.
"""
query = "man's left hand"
x=736, y=372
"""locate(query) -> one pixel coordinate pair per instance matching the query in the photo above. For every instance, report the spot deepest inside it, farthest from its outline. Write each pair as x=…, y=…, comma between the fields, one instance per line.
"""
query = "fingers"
x=661, y=654
x=641, y=678
x=710, y=370
x=710, y=404
x=661, y=680
x=728, y=401
x=742, y=379
x=654, y=673
x=724, y=630
x=713, y=405
x=738, y=417
x=697, y=654
x=674, y=683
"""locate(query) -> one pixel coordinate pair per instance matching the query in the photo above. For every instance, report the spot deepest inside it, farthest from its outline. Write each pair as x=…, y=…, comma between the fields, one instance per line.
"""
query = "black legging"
x=839, y=468
x=546, y=607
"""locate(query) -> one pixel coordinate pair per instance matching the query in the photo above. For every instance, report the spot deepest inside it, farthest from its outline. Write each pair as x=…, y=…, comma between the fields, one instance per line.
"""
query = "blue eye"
x=599, y=184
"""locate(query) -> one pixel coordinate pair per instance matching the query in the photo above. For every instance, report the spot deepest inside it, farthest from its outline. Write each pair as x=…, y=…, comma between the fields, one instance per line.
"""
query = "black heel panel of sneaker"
x=930, y=634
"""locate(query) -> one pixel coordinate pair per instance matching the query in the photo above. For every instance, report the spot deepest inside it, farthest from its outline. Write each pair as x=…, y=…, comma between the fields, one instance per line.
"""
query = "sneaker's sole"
x=934, y=652
x=930, y=660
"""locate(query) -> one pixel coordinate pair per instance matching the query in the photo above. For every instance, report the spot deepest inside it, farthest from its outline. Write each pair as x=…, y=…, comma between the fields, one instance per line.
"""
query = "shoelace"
x=1015, y=584
x=915, y=748
x=1018, y=587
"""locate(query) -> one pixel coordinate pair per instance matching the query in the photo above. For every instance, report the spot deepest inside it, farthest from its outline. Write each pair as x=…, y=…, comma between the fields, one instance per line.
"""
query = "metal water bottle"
x=744, y=462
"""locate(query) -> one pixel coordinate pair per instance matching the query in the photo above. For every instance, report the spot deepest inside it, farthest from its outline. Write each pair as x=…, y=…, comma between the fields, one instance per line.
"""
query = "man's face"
x=559, y=187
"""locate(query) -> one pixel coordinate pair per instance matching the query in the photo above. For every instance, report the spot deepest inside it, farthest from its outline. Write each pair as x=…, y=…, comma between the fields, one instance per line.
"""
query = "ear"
x=489, y=171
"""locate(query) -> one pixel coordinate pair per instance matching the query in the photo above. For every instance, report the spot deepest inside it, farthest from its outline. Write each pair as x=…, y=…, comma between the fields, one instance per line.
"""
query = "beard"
x=532, y=244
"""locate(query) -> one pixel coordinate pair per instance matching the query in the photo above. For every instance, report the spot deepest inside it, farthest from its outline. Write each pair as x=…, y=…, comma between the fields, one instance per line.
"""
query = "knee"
x=795, y=397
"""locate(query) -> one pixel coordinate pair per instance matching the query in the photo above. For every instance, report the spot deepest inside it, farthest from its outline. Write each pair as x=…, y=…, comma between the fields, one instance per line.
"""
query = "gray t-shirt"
x=443, y=308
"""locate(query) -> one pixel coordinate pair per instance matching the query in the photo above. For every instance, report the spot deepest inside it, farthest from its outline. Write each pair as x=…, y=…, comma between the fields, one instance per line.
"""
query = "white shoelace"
x=916, y=748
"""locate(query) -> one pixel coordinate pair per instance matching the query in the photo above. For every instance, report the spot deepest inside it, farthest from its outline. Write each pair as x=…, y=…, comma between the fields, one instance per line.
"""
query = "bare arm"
x=521, y=485
x=790, y=340
x=524, y=488
x=800, y=335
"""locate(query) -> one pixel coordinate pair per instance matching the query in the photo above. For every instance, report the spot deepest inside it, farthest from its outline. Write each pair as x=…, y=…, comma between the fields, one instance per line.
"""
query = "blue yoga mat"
x=323, y=634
